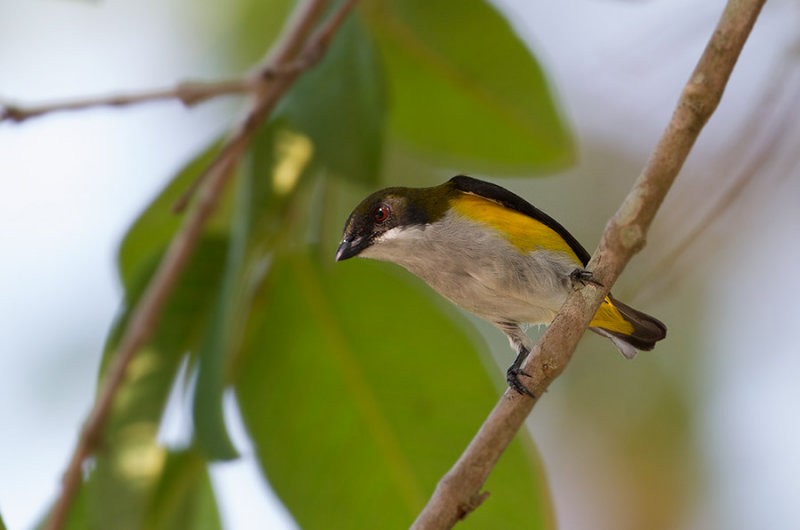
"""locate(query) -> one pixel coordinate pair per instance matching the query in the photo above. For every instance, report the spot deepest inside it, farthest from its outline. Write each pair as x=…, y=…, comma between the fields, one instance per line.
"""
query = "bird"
x=492, y=253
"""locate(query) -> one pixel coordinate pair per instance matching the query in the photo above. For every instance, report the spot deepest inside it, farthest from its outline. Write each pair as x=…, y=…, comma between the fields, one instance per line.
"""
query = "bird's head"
x=386, y=216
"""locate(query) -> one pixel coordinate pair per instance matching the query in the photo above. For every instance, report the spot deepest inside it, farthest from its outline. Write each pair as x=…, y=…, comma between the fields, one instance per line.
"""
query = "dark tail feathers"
x=647, y=330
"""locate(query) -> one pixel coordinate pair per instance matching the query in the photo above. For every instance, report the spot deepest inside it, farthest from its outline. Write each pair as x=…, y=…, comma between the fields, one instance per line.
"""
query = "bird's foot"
x=512, y=377
x=580, y=277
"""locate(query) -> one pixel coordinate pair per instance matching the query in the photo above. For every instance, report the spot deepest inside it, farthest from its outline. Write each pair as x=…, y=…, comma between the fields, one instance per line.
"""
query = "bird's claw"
x=582, y=277
x=512, y=377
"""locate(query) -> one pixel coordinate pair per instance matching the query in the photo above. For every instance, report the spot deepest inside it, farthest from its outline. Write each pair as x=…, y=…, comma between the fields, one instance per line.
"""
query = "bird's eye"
x=381, y=213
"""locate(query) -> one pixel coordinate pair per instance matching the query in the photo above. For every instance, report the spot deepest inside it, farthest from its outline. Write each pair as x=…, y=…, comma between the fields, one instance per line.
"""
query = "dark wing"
x=510, y=200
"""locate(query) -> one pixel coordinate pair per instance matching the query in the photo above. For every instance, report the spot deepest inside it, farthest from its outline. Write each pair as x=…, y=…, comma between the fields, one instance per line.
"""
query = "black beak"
x=351, y=247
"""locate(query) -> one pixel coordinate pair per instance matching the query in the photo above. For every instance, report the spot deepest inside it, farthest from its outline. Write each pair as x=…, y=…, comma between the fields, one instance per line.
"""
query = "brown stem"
x=456, y=494
x=148, y=309
x=277, y=63
x=188, y=92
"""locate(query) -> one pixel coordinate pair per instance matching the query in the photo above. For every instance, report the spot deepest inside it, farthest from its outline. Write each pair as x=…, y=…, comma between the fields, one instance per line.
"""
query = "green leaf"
x=256, y=222
x=130, y=465
x=464, y=89
x=124, y=474
x=360, y=393
x=331, y=121
x=221, y=339
x=183, y=498
x=182, y=323
x=256, y=24
x=178, y=496
x=340, y=105
x=186, y=311
x=78, y=516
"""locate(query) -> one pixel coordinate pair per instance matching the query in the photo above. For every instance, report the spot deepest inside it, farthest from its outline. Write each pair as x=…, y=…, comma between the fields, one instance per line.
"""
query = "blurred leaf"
x=360, y=393
x=332, y=120
x=464, y=89
x=183, y=498
x=221, y=338
x=131, y=462
x=255, y=26
x=178, y=497
x=255, y=223
x=2, y=524
x=184, y=315
x=78, y=516
x=340, y=105
x=182, y=323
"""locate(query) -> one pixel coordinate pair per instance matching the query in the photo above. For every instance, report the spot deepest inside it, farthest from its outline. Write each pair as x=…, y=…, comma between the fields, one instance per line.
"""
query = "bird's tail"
x=630, y=330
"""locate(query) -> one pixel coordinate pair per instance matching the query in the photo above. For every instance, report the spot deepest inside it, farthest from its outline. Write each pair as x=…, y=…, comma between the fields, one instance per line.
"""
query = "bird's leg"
x=582, y=277
x=522, y=344
x=515, y=370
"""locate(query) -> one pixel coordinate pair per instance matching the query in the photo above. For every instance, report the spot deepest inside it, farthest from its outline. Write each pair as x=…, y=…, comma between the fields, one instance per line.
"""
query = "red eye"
x=381, y=213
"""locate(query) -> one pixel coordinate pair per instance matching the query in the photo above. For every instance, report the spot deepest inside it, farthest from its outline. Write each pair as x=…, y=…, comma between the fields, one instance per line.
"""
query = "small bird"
x=492, y=253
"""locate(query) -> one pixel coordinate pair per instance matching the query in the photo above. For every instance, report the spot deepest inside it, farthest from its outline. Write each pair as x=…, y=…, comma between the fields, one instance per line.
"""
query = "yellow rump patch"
x=609, y=318
x=525, y=233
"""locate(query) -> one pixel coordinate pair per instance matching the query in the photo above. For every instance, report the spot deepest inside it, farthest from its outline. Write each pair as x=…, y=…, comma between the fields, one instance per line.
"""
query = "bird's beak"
x=351, y=247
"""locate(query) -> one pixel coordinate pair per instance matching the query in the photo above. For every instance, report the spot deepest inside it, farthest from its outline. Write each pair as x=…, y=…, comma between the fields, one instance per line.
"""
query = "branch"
x=458, y=492
x=277, y=63
x=188, y=92
x=296, y=44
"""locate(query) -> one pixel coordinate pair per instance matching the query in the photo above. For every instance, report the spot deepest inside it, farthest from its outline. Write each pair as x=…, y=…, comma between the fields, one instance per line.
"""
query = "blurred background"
x=701, y=433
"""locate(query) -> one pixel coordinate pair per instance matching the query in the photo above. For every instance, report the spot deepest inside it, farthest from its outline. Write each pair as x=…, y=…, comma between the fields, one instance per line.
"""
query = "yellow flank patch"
x=525, y=233
x=609, y=318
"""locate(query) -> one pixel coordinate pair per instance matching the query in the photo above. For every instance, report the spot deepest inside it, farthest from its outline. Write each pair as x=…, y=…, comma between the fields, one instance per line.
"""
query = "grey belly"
x=480, y=271
x=500, y=287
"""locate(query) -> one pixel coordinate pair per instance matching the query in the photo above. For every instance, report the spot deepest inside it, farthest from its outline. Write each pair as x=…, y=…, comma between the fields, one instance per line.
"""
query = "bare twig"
x=188, y=92
x=147, y=311
x=458, y=490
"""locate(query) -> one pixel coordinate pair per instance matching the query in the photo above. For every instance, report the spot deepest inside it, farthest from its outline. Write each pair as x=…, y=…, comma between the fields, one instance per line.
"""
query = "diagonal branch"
x=458, y=492
x=297, y=45
x=281, y=60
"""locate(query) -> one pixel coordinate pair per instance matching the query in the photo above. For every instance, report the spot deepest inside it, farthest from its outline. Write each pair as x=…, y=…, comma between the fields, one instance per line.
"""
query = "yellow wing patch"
x=528, y=234
x=525, y=233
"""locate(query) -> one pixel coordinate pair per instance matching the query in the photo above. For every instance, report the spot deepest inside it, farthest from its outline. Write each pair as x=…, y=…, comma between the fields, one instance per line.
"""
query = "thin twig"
x=146, y=313
x=458, y=491
x=188, y=92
